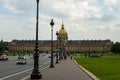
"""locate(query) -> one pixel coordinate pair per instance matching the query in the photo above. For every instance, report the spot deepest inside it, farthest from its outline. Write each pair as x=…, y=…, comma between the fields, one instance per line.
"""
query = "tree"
x=116, y=48
x=3, y=46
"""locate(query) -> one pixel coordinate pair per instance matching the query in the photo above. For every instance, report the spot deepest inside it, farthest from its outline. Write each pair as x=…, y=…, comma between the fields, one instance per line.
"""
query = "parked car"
x=49, y=56
x=43, y=54
x=53, y=56
x=4, y=57
x=21, y=60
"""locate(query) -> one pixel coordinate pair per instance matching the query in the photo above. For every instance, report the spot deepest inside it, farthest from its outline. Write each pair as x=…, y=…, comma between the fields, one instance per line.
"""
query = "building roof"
x=68, y=42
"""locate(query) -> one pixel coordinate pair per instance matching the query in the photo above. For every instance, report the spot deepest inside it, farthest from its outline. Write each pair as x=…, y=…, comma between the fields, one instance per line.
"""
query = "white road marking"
x=21, y=72
x=29, y=75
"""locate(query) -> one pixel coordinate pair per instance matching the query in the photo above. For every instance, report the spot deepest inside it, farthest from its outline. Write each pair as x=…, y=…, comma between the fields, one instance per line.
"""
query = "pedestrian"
x=70, y=57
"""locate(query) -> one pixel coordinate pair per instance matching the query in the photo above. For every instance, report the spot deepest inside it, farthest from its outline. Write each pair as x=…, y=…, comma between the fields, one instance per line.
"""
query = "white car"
x=21, y=60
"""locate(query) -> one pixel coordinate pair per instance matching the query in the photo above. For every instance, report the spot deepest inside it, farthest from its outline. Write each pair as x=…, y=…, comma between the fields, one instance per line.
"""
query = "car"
x=49, y=56
x=21, y=60
x=4, y=57
x=43, y=54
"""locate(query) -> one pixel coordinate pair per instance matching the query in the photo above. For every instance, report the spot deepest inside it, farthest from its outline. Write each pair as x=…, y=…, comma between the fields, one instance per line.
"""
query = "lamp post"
x=51, y=63
x=57, y=54
x=60, y=48
x=36, y=73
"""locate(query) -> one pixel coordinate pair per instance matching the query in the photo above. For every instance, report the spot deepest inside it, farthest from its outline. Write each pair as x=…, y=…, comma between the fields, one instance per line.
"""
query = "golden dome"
x=62, y=30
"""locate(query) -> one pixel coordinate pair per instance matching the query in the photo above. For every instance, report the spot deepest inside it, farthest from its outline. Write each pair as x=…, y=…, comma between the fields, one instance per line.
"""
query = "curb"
x=25, y=78
x=88, y=72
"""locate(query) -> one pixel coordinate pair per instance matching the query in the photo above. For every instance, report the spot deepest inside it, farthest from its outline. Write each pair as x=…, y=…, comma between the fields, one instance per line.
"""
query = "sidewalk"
x=64, y=70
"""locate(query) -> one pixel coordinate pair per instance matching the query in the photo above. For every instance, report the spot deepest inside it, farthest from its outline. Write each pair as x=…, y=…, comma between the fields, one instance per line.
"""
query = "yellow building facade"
x=62, y=43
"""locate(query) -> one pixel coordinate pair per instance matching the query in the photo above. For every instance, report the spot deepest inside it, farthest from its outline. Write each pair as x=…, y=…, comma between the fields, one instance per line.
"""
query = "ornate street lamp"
x=57, y=52
x=60, y=48
x=51, y=63
x=36, y=73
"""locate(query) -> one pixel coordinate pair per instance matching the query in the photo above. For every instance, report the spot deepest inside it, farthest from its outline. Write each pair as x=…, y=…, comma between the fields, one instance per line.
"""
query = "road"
x=10, y=71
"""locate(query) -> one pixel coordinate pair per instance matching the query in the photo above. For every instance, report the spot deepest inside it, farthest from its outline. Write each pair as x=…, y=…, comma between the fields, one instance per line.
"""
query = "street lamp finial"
x=51, y=23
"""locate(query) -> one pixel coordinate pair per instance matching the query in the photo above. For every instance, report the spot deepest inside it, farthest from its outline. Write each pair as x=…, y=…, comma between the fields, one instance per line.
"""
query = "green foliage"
x=106, y=68
x=116, y=48
x=3, y=46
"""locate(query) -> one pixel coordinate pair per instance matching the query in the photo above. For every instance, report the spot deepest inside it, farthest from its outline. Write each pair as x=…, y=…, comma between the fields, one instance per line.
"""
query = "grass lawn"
x=105, y=68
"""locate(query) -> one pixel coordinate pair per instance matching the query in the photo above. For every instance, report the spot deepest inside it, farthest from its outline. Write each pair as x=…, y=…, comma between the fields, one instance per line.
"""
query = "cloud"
x=117, y=25
x=88, y=10
x=13, y=9
x=70, y=9
x=18, y=6
x=12, y=28
x=83, y=19
x=110, y=2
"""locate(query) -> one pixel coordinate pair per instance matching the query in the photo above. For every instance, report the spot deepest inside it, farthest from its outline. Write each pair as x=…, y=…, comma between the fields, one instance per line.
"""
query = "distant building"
x=62, y=43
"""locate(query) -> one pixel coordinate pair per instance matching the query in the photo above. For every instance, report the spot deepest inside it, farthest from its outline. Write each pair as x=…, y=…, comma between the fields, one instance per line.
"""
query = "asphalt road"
x=10, y=71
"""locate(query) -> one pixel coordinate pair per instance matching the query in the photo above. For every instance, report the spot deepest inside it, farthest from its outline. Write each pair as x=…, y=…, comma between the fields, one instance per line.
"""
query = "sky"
x=83, y=19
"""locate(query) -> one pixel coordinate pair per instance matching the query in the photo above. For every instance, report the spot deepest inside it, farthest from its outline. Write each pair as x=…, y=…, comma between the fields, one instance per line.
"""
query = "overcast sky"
x=83, y=19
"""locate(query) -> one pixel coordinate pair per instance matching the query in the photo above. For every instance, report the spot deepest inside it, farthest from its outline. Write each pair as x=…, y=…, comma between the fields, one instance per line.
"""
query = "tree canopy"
x=116, y=48
x=3, y=46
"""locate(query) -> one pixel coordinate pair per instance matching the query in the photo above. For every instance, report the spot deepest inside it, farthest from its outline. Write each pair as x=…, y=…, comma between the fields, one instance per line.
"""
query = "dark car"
x=4, y=57
x=21, y=60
